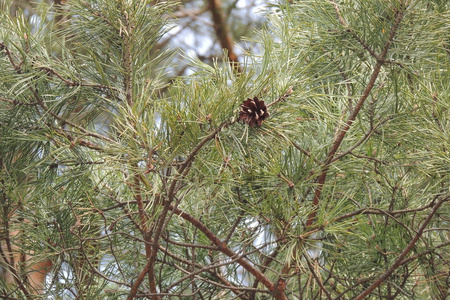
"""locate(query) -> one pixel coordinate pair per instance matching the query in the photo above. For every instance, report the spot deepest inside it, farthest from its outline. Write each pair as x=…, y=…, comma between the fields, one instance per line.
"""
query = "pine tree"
x=118, y=184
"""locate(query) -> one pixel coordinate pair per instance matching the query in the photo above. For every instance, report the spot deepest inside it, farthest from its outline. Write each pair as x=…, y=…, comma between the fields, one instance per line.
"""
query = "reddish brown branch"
x=362, y=140
x=138, y=281
x=183, y=171
x=225, y=283
x=345, y=25
x=223, y=33
x=8, y=257
x=209, y=268
x=222, y=247
x=317, y=278
x=267, y=261
x=11, y=59
x=405, y=252
x=343, y=131
x=281, y=98
x=151, y=247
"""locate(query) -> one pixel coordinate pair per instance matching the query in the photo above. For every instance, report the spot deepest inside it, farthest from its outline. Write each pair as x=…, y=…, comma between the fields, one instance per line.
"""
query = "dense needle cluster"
x=253, y=112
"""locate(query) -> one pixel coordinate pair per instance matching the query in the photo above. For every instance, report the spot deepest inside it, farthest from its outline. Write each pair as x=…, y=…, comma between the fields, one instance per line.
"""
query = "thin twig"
x=362, y=140
x=356, y=36
x=285, y=95
x=317, y=279
x=15, y=102
x=212, y=266
x=304, y=151
x=405, y=251
x=77, y=83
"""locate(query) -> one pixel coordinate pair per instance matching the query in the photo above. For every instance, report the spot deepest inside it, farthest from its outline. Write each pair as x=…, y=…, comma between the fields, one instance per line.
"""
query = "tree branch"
x=222, y=247
x=343, y=131
x=223, y=34
x=405, y=252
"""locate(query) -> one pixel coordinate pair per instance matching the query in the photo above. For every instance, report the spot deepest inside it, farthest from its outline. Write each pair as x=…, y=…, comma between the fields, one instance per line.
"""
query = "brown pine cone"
x=253, y=111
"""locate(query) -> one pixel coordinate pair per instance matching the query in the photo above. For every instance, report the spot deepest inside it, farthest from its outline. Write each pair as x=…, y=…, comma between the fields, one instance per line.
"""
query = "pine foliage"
x=130, y=185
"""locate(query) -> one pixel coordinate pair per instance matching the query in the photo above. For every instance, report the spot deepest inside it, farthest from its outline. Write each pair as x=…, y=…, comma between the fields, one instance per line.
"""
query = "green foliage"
x=134, y=186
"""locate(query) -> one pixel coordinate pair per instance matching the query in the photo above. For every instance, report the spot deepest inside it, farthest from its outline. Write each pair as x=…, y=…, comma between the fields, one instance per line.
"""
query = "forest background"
x=224, y=149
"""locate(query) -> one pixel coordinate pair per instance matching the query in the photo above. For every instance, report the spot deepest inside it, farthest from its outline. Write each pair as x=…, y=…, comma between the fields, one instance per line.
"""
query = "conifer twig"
x=343, y=131
x=405, y=251
x=285, y=95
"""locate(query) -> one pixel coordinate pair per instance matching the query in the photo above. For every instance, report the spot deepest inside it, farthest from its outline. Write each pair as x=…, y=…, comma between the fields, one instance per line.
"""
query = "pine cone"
x=253, y=111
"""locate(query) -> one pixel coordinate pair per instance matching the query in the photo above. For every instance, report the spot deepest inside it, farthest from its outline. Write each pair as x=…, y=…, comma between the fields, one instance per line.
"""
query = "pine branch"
x=42, y=104
x=343, y=131
x=227, y=251
x=222, y=32
x=405, y=251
